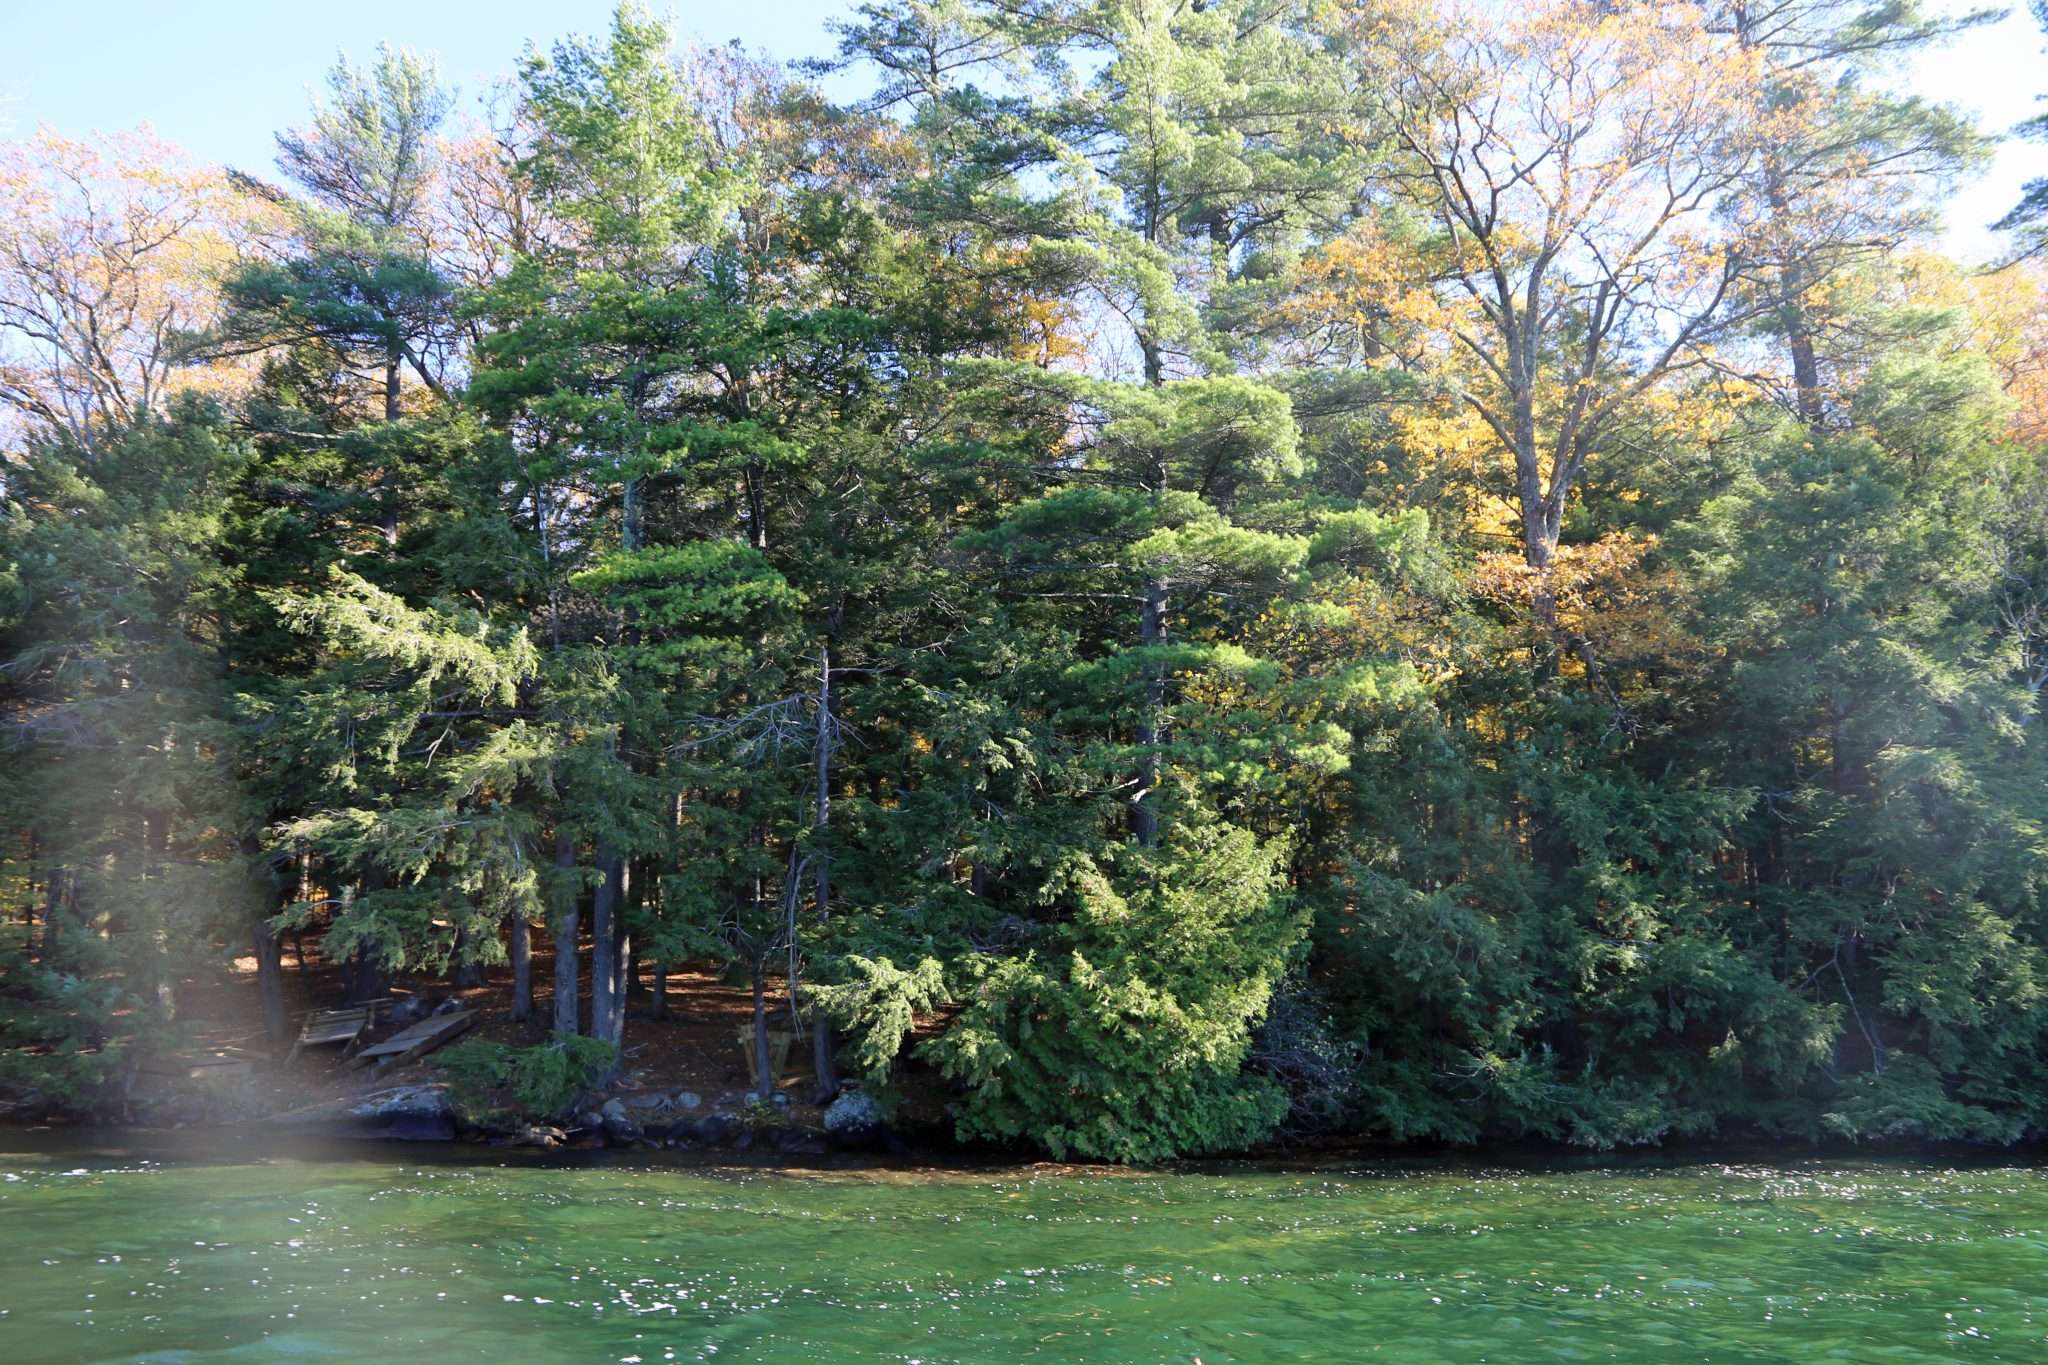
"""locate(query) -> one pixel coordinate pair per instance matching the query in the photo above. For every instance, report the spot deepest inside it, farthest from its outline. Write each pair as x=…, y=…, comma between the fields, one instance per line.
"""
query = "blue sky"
x=220, y=76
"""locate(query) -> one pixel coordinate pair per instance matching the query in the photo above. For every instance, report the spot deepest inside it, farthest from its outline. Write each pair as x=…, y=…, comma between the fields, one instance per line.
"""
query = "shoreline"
x=236, y=1144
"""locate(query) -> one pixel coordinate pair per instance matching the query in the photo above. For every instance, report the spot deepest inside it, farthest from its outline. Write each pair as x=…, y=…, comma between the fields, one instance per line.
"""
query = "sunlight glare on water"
x=364, y=1261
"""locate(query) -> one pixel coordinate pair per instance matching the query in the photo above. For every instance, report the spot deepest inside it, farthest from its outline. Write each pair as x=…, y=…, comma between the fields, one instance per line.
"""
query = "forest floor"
x=693, y=1042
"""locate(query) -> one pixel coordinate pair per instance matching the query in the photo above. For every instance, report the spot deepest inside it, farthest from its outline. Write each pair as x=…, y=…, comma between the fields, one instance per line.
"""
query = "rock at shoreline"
x=796, y=1142
x=404, y=1113
x=715, y=1130
x=853, y=1119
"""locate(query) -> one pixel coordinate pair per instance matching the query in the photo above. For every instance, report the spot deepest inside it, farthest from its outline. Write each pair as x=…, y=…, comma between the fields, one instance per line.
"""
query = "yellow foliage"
x=110, y=251
x=2009, y=325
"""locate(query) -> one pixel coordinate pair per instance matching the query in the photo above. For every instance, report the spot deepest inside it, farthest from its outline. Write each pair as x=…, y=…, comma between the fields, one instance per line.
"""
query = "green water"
x=360, y=1260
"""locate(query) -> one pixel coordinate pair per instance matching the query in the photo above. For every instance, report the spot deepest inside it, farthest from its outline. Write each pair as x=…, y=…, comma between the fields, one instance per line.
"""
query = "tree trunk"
x=825, y=1072
x=603, y=942
x=270, y=981
x=1151, y=730
x=269, y=949
x=622, y=954
x=823, y=1065
x=764, y=1068
x=28, y=898
x=369, y=979
x=661, y=990
x=305, y=894
x=522, y=969
x=610, y=947
x=464, y=971
x=54, y=883
x=567, y=917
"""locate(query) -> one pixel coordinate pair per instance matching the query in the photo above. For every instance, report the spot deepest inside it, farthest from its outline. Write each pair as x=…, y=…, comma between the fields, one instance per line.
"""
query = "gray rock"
x=853, y=1116
x=415, y=1101
x=796, y=1142
x=590, y=1119
x=781, y=1099
x=715, y=1130
x=657, y=1102
x=614, y=1109
x=405, y=1113
x=622, y=1129
x=688, y=1099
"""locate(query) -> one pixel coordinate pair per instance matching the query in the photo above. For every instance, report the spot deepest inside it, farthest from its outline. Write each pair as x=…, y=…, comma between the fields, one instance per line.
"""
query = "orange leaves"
x=110, y=251
x=1603, y=591
x=2008, y=314
x=1578, y=575
x=1049, y=332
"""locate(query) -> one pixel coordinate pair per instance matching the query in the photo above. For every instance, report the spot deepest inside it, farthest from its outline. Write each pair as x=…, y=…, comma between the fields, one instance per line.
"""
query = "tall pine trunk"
x=522, y=969
x=764, y=1066
x=823, y=1068
x=610, y=947
x=1152, y=728
x=269, y=950
x=464, y=971
x=568, y=916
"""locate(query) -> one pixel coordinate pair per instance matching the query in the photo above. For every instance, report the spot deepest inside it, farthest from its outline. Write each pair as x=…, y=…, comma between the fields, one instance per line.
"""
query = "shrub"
x=878, y=1007
x=543, y=1081
x=1131, y=1044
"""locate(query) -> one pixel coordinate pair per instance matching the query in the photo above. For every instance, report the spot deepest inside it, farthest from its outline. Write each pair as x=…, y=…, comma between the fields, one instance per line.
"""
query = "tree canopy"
x=1199, y=572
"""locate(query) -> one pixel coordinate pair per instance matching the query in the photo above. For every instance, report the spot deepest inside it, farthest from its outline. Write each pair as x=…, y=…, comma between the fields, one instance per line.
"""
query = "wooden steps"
x=417, y=1040
x=323, y=1028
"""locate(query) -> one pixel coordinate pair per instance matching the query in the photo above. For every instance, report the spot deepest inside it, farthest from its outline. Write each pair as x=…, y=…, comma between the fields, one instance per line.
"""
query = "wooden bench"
x=323, y=1028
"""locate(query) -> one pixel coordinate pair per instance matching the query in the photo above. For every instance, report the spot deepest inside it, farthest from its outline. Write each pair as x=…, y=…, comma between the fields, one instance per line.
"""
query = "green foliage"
x=120, y=754
x=879, y=1006
x=1042, y=540
x=543, y=1081
x=1125, y=1040
x=62, y=1043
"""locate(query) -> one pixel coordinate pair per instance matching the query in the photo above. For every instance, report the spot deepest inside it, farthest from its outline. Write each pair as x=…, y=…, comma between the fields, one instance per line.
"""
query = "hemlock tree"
x=117, y=706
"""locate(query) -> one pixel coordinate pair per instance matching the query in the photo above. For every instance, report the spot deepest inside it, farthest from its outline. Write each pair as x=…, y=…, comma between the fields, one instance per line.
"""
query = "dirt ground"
x=694, y=1044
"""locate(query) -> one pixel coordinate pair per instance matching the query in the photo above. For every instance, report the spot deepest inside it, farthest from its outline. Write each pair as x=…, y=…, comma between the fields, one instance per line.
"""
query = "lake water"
x=405, y=1259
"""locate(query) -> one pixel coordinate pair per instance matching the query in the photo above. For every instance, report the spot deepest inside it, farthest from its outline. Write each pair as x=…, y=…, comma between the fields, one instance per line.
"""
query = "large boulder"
x=717, y=1129
x=796, y=1142
x=854, y=1119
x=402, y=1113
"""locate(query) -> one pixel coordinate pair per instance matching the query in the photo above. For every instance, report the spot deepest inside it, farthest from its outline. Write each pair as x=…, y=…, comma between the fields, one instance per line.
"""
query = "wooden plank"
x=418, y=1039
x=187, y=1067
x=382, y=1002
x=332, y=1026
